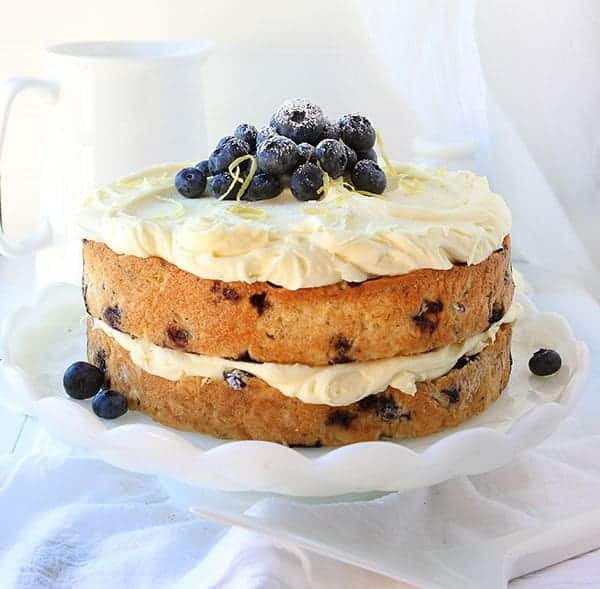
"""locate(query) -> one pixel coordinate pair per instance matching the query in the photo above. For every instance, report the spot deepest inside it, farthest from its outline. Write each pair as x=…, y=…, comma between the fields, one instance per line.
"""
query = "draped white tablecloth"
x=75, y=522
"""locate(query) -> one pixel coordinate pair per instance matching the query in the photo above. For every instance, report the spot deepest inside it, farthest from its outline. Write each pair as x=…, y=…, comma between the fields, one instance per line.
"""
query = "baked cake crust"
x=248, y=408
x=380, y=318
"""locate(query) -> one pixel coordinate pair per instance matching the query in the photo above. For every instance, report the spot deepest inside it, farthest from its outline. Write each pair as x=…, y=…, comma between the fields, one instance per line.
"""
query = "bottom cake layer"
x=245, y=407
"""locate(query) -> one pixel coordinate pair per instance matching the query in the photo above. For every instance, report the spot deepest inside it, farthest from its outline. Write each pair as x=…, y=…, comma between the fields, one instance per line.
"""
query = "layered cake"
x=301, y=288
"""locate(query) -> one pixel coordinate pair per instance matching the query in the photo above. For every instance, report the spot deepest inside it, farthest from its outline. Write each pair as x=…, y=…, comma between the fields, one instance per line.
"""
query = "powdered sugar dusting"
x=300, y=120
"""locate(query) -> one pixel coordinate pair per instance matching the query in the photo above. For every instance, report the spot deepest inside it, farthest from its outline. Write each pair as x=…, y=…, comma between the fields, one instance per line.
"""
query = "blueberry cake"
x=299, y=287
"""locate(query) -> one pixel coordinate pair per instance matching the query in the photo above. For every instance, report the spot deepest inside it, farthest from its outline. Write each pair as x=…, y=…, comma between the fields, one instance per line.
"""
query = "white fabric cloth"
x=78, y=523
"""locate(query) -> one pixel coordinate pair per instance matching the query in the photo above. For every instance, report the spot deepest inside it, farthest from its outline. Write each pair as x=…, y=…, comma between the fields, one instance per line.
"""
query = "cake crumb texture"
x=241, y=406
x=343, y=322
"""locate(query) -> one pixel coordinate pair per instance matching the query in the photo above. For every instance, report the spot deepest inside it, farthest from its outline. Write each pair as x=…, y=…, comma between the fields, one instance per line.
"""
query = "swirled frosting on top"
x=426, y=218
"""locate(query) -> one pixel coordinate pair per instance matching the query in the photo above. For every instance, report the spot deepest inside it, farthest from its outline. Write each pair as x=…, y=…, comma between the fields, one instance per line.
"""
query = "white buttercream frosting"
x=340, y=384
x=427, y=218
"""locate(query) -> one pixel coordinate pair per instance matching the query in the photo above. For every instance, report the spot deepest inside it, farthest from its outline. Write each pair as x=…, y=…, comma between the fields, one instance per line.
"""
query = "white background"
x=541, y=59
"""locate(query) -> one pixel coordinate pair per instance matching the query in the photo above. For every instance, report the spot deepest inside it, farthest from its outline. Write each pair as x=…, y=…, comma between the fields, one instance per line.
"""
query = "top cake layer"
x=426, y=218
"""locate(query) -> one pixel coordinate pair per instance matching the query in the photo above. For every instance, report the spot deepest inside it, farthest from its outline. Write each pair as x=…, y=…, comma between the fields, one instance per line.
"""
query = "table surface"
x=18, y=436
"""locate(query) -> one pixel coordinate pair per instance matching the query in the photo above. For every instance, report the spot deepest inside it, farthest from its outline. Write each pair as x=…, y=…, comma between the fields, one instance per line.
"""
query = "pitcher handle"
x=8, y=92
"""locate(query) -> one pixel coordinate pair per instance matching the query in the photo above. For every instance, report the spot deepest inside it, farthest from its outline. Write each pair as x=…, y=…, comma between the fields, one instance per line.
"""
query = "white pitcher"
x=119, y=106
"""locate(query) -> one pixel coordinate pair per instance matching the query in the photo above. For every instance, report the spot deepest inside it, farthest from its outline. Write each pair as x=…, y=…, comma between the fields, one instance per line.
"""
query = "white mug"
x=119, y=106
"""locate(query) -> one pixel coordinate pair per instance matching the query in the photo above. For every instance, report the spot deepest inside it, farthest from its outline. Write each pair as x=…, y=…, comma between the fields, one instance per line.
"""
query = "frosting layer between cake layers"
x=427, y=218
x=336, y=385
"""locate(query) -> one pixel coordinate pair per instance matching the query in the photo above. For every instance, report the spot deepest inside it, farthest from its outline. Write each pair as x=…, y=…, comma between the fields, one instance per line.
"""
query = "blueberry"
x=496, y=314
x=352, y=158
x=219, y=185
x=219, y=145
x=236, y=379
x=247, y=133
x=545, y=362
x=224, y=140
x=332, y=156
x=190, y=182
x=277, y=155
x=330, y=131
x=203, y=167
x=370, y=154
x=82, y=380
x=109, y=404
x=226, y=152
x=357, y=132
x=264, y=133
x=262, y=187
x=368, y=176
x=306, y=182
x=300, y=120
x=306, y=152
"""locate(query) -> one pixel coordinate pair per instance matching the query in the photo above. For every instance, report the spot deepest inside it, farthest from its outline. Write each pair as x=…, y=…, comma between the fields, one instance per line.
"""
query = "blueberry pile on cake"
x=298, y=286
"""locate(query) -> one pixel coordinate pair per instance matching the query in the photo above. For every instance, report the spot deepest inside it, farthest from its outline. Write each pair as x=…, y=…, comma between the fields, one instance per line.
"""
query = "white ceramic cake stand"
x=38, y=342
